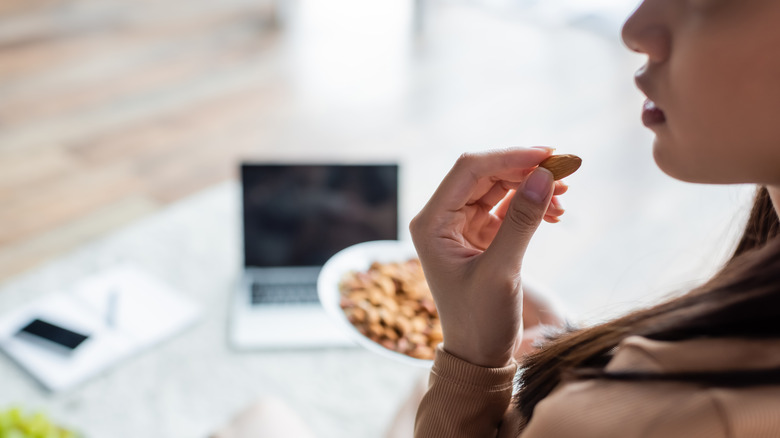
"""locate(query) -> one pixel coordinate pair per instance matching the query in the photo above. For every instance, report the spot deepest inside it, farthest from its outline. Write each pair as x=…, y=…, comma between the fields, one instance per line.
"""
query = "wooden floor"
x=111, y=109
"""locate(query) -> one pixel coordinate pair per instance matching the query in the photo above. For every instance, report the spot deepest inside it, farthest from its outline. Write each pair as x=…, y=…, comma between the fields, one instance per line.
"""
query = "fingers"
x=552, y=215
x=500, y=194
x=524, y=213
x=502, y=206
x=496, y=193
x=560, y=188
x=554, y=211
x=475, y=175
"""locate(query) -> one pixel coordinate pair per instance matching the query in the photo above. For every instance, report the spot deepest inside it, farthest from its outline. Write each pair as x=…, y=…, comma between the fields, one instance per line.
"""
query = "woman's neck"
x=774, y=194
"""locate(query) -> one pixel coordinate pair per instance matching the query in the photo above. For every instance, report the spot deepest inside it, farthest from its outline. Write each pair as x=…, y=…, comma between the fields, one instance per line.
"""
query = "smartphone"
x=53, y=334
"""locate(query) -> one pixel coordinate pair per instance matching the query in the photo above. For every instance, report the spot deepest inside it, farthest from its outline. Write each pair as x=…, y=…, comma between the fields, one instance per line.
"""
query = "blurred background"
x=122, y=125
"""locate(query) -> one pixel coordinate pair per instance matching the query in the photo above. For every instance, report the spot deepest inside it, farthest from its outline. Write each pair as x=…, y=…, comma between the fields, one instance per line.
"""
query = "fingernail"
x=544, y=148
x=538, y=185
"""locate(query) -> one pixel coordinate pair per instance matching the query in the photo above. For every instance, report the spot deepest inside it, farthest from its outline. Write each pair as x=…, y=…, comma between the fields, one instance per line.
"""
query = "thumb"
x=523, y=217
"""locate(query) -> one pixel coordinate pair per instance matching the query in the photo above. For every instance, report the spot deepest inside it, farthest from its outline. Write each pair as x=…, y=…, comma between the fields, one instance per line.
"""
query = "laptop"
x=295, y=217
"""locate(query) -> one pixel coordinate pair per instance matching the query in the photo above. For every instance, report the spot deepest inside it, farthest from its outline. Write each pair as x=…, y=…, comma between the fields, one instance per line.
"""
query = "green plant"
x=14, y=423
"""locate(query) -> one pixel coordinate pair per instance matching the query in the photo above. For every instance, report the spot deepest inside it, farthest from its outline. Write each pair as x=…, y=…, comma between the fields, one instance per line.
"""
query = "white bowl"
x=359, y=258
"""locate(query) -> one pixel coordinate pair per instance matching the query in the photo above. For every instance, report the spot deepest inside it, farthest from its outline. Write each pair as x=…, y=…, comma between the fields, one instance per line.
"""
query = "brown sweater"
x=465, y=400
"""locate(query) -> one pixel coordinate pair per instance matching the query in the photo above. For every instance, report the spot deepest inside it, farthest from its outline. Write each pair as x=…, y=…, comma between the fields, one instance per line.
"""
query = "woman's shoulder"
x=639, y=354
x=654, y=410
x=598, y=408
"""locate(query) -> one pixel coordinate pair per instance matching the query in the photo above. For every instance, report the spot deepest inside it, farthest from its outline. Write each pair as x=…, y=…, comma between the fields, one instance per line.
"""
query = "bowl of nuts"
x=377, y=292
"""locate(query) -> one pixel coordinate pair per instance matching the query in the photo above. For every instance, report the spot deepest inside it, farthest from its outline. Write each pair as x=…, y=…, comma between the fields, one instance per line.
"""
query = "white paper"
x=144, y=312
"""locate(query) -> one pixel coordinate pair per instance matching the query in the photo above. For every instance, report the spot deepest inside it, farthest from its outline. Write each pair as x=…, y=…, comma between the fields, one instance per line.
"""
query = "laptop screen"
x=301, y=215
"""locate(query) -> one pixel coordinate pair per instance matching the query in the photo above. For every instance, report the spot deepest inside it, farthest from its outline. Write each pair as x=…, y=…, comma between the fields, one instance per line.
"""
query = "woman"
x=703, y=365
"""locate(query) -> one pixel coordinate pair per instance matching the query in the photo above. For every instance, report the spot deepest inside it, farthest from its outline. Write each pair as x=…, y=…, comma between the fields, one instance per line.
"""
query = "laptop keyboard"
x=285, y=293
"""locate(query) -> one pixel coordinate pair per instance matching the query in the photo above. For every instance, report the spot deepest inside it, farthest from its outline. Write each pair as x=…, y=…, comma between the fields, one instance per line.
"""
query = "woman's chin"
x=674, y=166
x=692, y=171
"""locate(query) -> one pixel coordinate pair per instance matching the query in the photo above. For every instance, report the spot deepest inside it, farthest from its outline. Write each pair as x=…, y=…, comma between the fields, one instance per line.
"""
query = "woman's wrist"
x=480, y=358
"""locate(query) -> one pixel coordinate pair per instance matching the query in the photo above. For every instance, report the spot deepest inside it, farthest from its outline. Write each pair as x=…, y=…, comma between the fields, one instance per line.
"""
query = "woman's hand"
x=471, y=237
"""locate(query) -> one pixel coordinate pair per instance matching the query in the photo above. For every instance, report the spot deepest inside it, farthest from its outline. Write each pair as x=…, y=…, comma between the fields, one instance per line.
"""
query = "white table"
x=188, y=386
x=193, y=383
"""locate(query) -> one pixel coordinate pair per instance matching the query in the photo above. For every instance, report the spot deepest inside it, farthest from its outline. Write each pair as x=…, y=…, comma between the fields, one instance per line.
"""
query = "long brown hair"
x=741, y=300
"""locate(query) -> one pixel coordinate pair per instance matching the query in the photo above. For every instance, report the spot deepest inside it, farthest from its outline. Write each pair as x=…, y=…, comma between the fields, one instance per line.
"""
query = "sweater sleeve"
x=463, y=400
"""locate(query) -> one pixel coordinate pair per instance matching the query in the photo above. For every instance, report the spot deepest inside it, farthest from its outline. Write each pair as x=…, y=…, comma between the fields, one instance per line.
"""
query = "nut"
x=562, y=166
x=392, y=305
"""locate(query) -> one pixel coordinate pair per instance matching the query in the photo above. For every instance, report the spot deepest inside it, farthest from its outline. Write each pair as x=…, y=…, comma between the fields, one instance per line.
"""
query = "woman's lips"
x=651, y=115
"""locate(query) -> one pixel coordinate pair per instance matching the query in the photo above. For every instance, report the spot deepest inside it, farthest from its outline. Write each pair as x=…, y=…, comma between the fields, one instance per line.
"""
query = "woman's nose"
x=646, y=31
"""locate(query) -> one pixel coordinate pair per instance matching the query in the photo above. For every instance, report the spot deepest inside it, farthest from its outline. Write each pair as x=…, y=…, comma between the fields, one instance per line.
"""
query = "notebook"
x=114, y=314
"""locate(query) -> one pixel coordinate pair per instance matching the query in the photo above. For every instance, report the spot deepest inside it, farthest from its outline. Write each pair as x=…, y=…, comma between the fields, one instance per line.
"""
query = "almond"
x=562, y=166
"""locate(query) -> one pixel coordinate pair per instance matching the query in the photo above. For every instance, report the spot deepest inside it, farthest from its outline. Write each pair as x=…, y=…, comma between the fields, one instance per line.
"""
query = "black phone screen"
x=54, y=333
